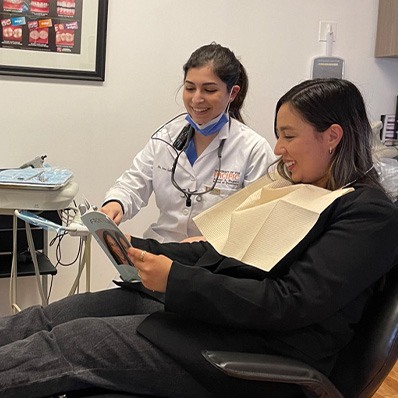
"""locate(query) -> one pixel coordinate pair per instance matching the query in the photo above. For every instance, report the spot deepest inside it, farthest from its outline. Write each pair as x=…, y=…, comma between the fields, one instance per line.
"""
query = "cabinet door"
x=387, y=29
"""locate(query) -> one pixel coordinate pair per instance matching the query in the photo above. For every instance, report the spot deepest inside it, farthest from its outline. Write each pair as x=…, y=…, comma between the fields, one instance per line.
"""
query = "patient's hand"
x=194, y=239
x=153, y=269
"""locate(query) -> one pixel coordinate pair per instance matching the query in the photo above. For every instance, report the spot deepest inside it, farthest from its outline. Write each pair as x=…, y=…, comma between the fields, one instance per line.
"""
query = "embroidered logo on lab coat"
x=227, y=178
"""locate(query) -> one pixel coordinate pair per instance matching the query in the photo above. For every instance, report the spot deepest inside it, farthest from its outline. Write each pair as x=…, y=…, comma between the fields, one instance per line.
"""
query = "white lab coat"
x=245, y=157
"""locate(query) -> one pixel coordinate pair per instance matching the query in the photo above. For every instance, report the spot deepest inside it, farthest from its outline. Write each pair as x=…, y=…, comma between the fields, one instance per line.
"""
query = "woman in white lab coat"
x=196, y=159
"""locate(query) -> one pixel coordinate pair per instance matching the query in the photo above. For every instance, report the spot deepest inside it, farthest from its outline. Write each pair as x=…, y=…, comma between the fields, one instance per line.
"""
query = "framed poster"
x=63, y=39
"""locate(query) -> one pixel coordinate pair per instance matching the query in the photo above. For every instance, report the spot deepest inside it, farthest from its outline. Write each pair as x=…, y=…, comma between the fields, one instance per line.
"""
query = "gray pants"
x=87, y=340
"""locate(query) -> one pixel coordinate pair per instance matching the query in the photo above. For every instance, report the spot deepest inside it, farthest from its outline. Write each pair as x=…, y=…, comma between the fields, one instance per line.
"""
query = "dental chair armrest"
x=273, y=368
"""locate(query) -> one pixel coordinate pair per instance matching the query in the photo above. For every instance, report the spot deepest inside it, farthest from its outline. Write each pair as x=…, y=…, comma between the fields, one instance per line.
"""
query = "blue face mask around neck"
x=211, y=127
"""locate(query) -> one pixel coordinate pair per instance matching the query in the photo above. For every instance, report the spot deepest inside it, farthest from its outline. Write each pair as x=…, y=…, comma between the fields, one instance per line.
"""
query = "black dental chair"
x=359, y=370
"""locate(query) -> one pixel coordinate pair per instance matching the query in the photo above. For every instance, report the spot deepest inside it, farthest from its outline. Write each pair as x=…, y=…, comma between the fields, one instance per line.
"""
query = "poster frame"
x=96, y=53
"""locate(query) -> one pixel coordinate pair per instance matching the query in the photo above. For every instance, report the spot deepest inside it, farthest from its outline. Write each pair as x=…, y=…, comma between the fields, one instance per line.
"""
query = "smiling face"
x=305, y=151
x=205, y=95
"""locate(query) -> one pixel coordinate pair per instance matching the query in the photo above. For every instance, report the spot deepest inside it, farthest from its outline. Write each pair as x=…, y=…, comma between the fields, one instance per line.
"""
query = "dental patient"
x=305, y=306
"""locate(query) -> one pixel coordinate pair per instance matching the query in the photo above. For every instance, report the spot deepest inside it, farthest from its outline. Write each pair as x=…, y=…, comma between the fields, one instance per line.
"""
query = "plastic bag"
x=388, y=172
x=39, y=177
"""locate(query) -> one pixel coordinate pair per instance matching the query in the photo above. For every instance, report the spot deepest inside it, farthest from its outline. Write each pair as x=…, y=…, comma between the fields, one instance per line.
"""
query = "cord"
x=58, y=252
x=163, y=125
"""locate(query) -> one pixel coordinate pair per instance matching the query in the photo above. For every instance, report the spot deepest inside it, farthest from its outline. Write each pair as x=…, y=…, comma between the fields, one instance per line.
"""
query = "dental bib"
x=246, y=225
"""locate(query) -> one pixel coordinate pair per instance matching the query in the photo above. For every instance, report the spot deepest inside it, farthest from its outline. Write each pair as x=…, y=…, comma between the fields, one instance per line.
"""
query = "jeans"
x=87, y=340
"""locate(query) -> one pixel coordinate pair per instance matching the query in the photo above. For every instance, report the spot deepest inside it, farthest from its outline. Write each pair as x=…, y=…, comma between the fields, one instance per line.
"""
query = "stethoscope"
x=179, y=146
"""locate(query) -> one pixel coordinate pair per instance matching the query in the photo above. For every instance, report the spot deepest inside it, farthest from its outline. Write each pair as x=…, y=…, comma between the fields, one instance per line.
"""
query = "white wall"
x=96, y=128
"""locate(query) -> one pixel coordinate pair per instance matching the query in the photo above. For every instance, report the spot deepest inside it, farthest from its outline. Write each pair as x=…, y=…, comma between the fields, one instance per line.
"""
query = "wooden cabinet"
x=387, y=29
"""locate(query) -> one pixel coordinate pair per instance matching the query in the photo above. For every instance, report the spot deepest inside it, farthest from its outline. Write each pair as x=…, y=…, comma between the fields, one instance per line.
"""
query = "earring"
x=330, y=150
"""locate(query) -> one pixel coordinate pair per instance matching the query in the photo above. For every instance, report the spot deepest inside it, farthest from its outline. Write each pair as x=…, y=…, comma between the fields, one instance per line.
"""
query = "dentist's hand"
x=152, y=269
x=114, y=211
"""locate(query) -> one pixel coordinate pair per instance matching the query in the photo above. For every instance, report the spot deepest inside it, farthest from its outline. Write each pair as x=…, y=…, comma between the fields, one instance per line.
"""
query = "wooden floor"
x=389, y=389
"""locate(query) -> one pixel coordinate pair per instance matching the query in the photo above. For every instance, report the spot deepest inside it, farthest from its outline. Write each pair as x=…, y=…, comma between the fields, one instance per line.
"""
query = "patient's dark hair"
x=226, y=67
x=323, y=102
x=107, y=236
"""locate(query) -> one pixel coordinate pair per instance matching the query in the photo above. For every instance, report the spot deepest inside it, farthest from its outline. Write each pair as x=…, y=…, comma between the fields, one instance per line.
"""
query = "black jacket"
x=305, y=307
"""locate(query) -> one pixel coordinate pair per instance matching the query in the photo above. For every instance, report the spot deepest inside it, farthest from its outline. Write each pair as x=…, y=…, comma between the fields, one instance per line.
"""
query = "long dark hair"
x=226, y=67
x=106, y=235
x=323, y=102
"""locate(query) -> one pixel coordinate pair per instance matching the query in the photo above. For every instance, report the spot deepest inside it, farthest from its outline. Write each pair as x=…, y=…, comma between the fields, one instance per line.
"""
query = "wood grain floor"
x=389, y=389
